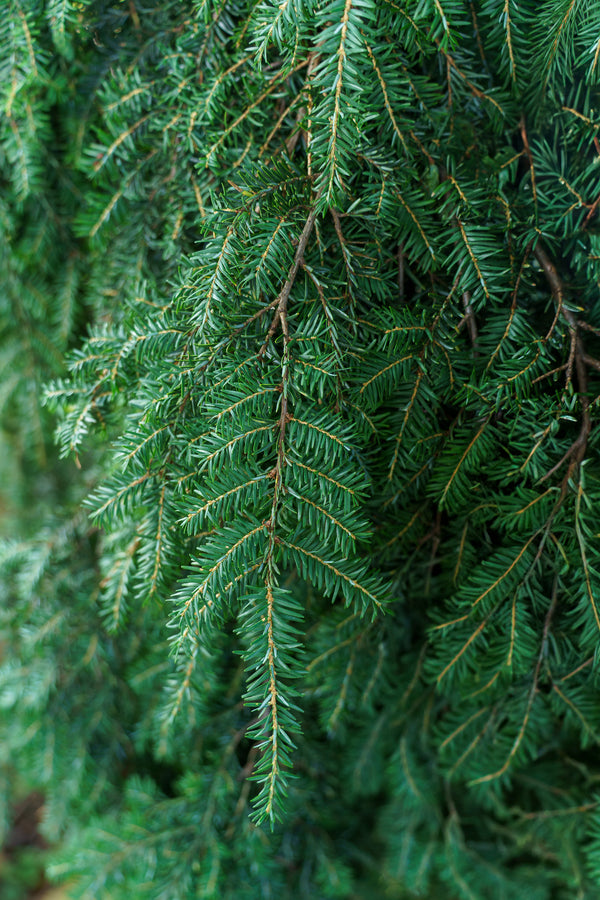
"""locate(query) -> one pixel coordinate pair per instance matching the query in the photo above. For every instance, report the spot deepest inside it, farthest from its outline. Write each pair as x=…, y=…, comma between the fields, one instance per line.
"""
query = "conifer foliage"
x=314, y=290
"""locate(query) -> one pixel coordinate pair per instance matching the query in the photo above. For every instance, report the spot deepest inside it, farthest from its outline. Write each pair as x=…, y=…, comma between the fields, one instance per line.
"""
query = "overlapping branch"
x=578, y=360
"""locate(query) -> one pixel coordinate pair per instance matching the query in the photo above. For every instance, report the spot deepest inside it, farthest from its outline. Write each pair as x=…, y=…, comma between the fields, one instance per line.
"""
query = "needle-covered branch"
x=316, y=286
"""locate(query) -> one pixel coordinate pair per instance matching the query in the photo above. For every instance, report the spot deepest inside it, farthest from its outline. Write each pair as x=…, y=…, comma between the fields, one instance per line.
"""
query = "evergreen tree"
x=314, y=290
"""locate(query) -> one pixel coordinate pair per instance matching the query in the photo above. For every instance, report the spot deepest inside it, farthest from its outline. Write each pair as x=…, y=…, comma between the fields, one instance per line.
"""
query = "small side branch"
x=525, y=140
x=470, y=320
x=578, y=360
x=532, y=692
x=281, y=301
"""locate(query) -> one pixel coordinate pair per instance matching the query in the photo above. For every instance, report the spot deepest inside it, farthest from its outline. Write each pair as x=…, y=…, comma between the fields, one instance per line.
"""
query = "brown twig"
x=338, y=230
x=470, y=320
x=256, y=315
x=591, y=361
x=550, y=373
x=281, y=301
x=591, y=212
x=579, y=359
x=587, y=327
x=401, y=271
x=525, y=140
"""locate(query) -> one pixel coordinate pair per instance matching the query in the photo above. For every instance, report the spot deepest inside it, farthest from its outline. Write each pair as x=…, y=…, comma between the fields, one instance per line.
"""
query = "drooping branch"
x=272, y=704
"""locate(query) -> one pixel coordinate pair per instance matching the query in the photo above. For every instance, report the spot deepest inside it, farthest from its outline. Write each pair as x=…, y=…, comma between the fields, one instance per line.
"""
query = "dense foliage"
x=313, y=288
